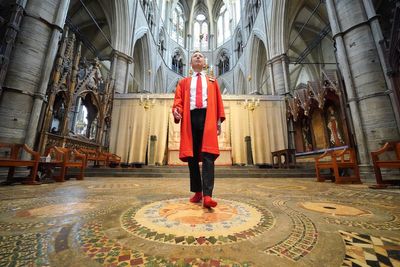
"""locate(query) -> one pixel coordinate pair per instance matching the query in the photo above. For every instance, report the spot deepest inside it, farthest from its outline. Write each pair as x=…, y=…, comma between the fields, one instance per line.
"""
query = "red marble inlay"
x=136, y=261
x=124, y=257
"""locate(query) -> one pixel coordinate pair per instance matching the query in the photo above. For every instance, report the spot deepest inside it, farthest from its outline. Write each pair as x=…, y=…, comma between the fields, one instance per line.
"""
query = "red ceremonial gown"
x=215, y=111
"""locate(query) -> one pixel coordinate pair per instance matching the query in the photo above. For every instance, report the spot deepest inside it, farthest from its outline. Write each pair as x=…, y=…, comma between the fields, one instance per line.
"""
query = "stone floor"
x=150, y=222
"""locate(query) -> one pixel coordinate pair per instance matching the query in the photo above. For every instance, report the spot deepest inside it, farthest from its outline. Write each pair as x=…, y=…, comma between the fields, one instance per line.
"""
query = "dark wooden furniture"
x=46, y=171
x=339, y=162
x=284, y=158
x=66, y=158
x=390, y=163
x=12, y=156
x=113, y=160
x=94, y=155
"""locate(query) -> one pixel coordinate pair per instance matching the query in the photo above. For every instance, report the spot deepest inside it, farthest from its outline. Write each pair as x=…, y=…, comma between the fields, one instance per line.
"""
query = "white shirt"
x=193, y=84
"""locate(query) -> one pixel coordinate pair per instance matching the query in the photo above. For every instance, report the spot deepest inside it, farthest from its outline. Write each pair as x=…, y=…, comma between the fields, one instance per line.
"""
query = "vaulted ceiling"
x=92, y=24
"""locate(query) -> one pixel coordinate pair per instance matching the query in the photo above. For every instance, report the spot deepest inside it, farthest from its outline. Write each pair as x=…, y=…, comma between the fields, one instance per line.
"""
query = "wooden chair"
x=338, y=161
x=113, y=160
x=94, y=155
x=65, y=158
x=390, y=163
x=90, y=155
x=12, y=157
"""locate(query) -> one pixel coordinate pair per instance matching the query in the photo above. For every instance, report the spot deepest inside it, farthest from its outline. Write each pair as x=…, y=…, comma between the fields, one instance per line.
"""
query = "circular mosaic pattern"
x=180, y=222
x=283, y=187
x=333, y=208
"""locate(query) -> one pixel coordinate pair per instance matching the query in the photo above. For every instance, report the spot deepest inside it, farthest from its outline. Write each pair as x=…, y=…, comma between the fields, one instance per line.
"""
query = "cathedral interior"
x=311, y=92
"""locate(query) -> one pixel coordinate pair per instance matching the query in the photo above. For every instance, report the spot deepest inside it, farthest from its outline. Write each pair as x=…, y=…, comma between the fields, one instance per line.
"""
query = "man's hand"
x=219, y=127
x=177, y=114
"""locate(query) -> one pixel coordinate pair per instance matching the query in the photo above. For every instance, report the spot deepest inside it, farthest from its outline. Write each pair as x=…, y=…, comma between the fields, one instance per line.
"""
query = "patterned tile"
x=24, y=250
x=366, y=250
x=392, y=224
x=177, y=221
x=302, y=238
x=108, y=252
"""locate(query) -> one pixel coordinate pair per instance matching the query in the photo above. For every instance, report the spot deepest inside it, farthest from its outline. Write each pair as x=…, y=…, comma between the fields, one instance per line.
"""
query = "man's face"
x=197, y=61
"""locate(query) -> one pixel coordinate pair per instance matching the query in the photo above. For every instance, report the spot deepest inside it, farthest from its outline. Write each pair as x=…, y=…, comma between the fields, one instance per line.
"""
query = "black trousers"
x=200, y=182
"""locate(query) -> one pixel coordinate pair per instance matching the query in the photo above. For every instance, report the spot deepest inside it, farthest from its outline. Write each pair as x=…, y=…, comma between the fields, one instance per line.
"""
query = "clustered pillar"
x=368, y=97
x=29, y=70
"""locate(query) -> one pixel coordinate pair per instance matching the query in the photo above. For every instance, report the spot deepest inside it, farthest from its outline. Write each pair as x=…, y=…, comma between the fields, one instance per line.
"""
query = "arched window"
x=200, y=32
x=223, y=63
x=177, y=62
x=161, y=42
x=178, y=25
x=223, y=26
x=238, y=45
x=252, y=8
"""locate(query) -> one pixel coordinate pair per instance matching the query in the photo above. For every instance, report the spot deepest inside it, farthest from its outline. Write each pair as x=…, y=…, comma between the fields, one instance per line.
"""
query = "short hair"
x=194, y=52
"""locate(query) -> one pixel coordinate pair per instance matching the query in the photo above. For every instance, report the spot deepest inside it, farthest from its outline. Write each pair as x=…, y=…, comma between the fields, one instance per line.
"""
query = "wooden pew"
x=94, y=155
x=66, y=158
x=113, y=160
x=11, y=157
x=338, y=161
x=390, y=163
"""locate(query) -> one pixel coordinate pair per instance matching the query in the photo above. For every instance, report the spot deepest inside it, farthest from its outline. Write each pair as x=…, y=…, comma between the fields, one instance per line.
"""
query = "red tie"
x=199, y=92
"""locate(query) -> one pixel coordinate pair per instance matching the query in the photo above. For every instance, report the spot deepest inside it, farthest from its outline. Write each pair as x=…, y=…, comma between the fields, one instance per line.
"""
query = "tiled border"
x=302, y=238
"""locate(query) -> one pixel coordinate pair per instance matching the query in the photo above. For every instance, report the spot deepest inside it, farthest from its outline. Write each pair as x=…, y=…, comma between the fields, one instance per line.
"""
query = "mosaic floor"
x=150, y=222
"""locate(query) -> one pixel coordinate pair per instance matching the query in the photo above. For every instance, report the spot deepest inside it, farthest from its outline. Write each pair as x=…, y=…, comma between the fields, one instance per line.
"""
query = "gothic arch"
x=241, y=84
x=172, y=85
x=120, y=28
x=159, y=82
x=259, y=68
x=142, y=67
x=277, y=28
x=224, y=87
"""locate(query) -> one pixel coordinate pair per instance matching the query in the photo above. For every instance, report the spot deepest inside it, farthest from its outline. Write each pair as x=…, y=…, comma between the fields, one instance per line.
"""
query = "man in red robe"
x=198, y=106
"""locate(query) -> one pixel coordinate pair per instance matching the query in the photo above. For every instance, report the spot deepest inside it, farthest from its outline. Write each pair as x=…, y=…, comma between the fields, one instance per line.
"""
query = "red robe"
x=215, y=111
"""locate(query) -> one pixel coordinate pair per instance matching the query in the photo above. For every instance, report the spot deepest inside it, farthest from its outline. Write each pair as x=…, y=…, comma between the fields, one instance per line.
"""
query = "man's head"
x=197, y=61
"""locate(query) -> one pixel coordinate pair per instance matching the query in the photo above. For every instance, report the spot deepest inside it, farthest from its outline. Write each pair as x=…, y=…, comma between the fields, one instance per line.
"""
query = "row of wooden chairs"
x=20, y=155
x=100, y=158
x=343, y=164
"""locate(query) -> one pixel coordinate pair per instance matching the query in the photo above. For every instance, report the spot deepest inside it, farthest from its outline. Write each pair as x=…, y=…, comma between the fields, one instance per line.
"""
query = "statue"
x=335, y=138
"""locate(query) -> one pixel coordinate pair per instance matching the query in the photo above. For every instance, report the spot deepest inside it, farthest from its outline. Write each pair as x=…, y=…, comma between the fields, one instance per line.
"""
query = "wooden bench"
x=65, y=158
x=338, y=161
x=12, y=156
x=113, y=160
x=94, y=155
x=390, y=163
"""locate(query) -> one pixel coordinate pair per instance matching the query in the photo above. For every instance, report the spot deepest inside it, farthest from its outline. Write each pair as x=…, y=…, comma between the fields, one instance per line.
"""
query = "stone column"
x=280, y=82
x=271, y=77
x=378, y=38
x=280, y=74
x=121, y=64
x=29, y=70
x=372, y=113
x=7, y=44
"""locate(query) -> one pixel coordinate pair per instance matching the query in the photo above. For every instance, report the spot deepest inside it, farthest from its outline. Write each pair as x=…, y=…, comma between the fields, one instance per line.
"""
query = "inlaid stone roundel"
x=180, y=222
